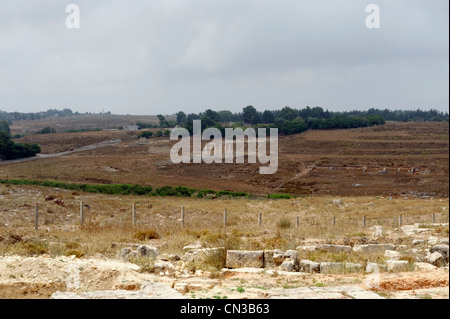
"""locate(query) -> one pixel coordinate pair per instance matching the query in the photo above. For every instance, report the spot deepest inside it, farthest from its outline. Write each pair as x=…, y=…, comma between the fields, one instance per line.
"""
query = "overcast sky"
x=162, y=56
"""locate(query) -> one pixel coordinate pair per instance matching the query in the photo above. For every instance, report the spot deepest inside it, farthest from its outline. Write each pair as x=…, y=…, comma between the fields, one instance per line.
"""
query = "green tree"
x=162, y=121
x=4, y=127
x=5, y=145
x=295, y=126
x=288, y=114
x=181, y=118
x=226, y=116
x=10, y=150
x=375, y=120
x=251, y=115
x=268, y=117
x=210, y=119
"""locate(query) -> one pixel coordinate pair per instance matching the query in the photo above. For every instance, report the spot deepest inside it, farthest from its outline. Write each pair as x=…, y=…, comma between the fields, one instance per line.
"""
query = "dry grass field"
x=109, y=220
x=86, y=122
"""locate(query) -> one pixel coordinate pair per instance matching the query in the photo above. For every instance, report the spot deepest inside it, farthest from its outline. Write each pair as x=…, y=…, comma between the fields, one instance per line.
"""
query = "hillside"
x=313, y=163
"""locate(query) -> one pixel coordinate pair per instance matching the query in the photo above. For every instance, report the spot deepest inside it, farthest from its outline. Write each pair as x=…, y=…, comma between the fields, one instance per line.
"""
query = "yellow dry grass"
x=108, y=223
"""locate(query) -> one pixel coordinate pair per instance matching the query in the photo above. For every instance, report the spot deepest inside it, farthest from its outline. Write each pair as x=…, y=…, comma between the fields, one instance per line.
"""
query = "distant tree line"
x=288, y=120
x=251, y=116
x=293, y=121
x=17, y=116
x=405, y=116
x=10, y=150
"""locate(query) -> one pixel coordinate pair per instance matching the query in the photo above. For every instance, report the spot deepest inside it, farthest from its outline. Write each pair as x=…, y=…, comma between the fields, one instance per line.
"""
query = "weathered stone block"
x=268, y=258
x=148, y=251
x=373, y=248
x=336, y=249
x=397, y=265
x=245, y=259
x=330, y=267
x=309, y=266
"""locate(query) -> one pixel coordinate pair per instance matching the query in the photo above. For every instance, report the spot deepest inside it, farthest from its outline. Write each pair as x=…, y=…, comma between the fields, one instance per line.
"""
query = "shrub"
x=280, y=196
x=74, y=252
x=46, y=130
x=234, y=243
x=146, y=264
x=146, y=134
x=35, y=247
x=284, y=223
x=240, y=289
x=143, y=235
x=72, y=245
x=126, y=189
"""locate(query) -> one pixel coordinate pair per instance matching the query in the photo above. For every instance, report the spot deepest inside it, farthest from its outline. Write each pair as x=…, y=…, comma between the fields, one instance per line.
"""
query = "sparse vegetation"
x=145, y=134
x=280, y=196
x=143, y=235
x=146, y=264
x=34, y=247
x=124, y=189
x=46, y=130
x=284, y=223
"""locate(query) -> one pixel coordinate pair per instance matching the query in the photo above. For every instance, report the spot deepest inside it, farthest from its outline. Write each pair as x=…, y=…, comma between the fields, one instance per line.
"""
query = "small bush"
x=74, y=252
x=46, y=130
x=72, y=245
x=442, y=230
x=284, y=223
x=275, y=243
x=146, y=264
x=234, y=243
x=280, y=196
x=146, y=134
x=143, y=235
x=240, y=289
x=214, y=263
x=35, y=247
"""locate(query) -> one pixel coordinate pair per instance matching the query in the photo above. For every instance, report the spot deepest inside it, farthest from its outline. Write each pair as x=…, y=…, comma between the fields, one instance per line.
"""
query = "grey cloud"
x=149, y=57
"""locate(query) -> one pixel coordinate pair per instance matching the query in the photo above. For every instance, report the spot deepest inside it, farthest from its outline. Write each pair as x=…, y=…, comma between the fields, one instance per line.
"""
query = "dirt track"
x=47, y=156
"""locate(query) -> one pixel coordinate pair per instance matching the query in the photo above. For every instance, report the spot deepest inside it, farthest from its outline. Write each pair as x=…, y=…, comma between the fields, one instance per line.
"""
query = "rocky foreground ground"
x=270, y=274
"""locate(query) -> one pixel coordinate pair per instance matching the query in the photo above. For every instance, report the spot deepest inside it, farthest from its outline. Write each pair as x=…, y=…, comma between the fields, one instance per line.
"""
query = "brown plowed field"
x=313, y=163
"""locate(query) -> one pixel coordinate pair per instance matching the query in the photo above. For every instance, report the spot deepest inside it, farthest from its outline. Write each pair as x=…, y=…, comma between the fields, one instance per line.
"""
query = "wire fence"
x=224, y=219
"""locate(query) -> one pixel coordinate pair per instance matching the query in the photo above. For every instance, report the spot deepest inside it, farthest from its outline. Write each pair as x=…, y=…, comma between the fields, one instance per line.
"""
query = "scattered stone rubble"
x=416, y=251
x=428, y=253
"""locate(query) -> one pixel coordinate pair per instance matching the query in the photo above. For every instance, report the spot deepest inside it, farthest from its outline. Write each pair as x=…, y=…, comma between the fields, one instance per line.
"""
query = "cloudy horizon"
x=150, y=57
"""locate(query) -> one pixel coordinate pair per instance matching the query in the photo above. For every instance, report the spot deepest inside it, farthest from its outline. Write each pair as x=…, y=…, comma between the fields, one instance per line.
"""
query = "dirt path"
x=46, y=156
